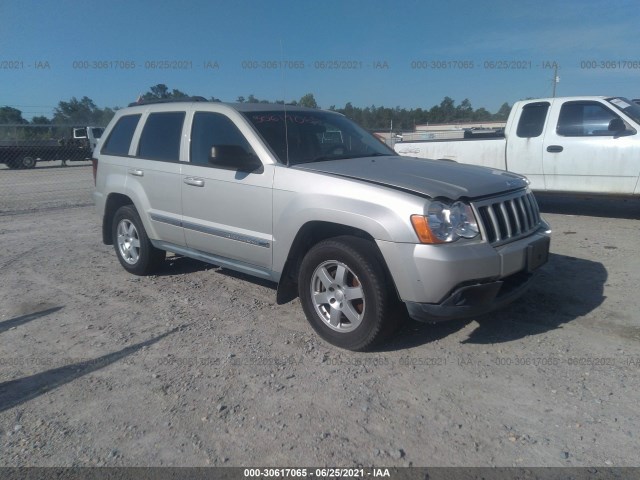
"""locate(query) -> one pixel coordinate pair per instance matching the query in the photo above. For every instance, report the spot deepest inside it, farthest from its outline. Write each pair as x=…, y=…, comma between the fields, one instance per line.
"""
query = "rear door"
x=582, y=154
x=227, y=210
x=153, y=174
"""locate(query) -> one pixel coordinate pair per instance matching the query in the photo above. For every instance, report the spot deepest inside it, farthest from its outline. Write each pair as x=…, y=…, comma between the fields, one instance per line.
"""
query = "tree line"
x=85, y=112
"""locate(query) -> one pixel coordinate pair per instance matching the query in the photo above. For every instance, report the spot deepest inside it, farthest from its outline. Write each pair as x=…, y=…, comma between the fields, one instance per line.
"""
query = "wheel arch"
x=113, y=203
x=309, y=235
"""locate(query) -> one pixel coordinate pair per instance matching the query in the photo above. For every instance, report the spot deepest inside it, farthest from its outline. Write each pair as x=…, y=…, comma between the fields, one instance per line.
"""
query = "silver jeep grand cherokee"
x=309, y=200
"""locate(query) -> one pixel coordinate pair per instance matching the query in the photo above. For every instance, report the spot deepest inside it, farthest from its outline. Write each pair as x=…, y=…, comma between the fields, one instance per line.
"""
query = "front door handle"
x=136, y=172
x=194, y=182
x=554, y=149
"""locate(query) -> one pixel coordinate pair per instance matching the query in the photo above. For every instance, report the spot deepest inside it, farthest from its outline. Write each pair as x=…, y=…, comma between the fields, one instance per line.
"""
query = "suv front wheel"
x=133, y=247
x=345, y=294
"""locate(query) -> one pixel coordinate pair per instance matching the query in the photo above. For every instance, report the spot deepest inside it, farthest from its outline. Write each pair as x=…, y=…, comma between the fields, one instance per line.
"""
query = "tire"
x=132, y=245
x=13, y=164
x=345, y=293
x=28, y=162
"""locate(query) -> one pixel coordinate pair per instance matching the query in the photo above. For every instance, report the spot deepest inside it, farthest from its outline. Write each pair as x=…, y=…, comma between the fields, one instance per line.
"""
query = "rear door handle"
x=194, y=182
x=554, y=149
x=136, y=172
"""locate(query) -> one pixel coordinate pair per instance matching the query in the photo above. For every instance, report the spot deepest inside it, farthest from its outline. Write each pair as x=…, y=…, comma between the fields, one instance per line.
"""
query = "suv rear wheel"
x=345, y=294
x=133, y=247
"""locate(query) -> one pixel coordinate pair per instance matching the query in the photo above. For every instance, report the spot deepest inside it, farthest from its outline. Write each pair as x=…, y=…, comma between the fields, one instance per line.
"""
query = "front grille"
x=508, y=217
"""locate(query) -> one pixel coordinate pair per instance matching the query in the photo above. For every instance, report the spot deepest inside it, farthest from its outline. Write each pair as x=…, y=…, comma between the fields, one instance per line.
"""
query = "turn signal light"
x=421, y=227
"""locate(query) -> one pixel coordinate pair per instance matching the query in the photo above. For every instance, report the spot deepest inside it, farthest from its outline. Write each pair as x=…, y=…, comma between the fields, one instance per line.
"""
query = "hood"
x=431, y=178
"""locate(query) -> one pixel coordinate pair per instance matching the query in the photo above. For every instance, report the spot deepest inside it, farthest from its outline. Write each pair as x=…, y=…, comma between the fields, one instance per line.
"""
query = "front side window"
x=211, y=130
x=585, y=119
x=120, y=137
x=313, y=136
x=160, y=139
x=532, y=120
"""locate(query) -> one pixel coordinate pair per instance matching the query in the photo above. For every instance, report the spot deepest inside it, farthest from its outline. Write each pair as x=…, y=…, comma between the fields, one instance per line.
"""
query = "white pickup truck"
x=572, y=144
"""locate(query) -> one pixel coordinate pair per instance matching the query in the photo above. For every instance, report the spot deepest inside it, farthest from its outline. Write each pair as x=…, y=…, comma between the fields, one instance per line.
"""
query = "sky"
x=368, y=52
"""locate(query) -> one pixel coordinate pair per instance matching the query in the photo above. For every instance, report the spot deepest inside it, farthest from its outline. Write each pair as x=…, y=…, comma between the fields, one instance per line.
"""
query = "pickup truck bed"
x=586, y=145
x=25, y=156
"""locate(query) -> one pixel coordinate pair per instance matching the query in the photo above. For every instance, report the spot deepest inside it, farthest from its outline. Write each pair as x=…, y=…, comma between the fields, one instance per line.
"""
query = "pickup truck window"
x=160, y=139
x=585, y=119
x=119, y=140
x=532, y=120
x=213, y=129
x=304, y=137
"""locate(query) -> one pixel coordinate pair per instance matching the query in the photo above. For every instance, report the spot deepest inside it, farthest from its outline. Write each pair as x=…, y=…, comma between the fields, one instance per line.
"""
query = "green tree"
x=308, y=100
x=78, y=112
x=10, y=115
x=379, y=118
x=503, y=112
x=448, y=109
x=481, y=115
x=161, y=92
x=464, y=111
x=40, y=120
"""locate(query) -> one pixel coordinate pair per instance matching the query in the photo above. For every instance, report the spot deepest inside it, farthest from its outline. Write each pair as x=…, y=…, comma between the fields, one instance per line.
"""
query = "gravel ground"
x=49, y=185
x=197, y=366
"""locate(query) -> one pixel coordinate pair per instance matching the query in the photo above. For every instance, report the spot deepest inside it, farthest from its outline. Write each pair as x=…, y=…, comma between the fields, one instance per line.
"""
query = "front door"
x=227, y=211
x=582, y=153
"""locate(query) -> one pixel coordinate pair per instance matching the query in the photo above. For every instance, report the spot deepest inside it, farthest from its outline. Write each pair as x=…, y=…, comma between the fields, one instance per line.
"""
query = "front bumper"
x=448, y=281
x=473, y=300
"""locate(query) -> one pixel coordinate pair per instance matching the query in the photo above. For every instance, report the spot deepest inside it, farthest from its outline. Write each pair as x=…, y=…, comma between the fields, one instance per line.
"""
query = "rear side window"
x=160, y=139
x=120, y=138
x=585, y=119
x=532, y=120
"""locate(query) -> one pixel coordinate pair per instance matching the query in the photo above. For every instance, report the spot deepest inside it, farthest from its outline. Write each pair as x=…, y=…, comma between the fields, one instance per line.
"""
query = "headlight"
x=445, y=223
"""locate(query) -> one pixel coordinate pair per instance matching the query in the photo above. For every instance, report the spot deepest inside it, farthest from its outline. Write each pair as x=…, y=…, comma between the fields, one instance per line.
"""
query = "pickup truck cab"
x=571, y=144
x=91, y=135
x=309, y=200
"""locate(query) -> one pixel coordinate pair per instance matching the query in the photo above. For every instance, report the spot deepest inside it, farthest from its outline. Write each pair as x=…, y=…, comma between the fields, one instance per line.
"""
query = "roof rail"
x=168, y=100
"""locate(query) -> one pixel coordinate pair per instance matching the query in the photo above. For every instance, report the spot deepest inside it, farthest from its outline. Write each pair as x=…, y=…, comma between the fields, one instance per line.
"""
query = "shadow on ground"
x=565, y=289
x=621, y=207
x=16, y=392
x=177, y=265
x=22, y=319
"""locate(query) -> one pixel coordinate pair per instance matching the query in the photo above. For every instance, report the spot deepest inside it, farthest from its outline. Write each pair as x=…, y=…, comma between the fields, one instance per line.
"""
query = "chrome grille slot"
x=507, y=218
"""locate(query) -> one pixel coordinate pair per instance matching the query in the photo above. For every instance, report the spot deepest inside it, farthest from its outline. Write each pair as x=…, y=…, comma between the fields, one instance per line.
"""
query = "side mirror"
x=234, y=157
x=616, y=125
x=619, y=128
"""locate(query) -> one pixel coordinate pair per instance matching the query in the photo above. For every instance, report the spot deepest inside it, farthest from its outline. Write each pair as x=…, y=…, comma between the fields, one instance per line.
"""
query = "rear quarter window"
x=532, y=120
x=120, y=137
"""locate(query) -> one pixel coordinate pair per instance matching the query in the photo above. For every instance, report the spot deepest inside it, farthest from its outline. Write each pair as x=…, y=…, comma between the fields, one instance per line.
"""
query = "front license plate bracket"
x=537, y=254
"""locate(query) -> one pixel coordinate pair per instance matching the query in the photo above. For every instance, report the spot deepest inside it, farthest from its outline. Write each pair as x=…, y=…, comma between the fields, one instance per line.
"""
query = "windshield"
x=315, y=136
x=627, y=106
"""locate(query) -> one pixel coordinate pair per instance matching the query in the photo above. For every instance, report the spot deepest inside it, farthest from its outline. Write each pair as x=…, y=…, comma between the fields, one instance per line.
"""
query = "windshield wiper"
x=322, y=158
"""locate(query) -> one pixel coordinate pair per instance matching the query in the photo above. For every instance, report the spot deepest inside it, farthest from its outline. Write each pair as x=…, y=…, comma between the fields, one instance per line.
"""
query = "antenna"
x=556, y=80
x=284, y=102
